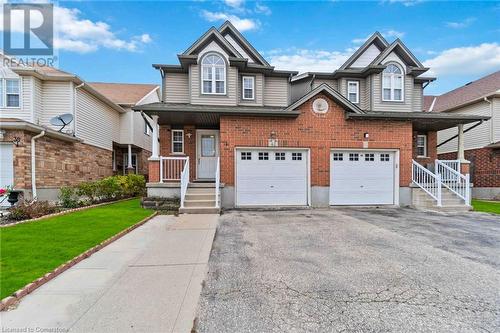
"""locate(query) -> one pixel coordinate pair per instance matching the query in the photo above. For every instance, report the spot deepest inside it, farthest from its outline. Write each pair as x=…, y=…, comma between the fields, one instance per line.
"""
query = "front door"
x=207, y=151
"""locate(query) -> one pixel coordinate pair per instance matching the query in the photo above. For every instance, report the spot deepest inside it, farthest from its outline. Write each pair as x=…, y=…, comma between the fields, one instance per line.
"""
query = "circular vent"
x=320, y=105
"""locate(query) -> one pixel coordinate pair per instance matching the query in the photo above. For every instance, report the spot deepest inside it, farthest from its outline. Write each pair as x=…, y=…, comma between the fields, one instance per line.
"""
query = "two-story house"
x=236, y=132
x=481, y=140
x=38, y=157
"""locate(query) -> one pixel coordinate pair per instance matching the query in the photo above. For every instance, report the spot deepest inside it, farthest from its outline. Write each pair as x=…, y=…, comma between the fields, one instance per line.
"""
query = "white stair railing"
x=184, y=181
x=454, y=164
x=217, y=183
x=427, y=181
x=454, y=181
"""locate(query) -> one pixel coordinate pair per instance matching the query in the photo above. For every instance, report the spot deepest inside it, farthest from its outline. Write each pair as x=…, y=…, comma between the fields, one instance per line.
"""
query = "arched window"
x=392, y=83
x=213, y=70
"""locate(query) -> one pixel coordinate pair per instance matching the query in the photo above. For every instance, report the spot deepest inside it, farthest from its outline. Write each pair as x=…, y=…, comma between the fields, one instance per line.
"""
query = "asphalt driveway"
x=355, y=270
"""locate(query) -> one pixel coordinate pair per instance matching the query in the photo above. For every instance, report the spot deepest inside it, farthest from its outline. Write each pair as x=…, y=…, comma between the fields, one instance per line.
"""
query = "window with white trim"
x=12, y=93
x=296, y=156
x=422, y=145
x=213, y=68
x=263, y=156
x=177, y=141
x=246, y=155
x=353, y=91
x=279, y=156
x=353, y=157
x=248, y=87
x=338, y=156
x=147, y=130
x=384, y=157
x=369, y=157
x=392, y=83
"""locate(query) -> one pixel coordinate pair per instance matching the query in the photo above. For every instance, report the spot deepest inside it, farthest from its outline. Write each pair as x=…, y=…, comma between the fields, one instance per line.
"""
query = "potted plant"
x=12, y=195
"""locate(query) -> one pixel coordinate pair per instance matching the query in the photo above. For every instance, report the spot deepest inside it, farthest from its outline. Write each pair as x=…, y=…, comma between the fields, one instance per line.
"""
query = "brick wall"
x=431, y=148
x=189, y=145
x=142, y=159
x=320, y=133
x=58, y=163
x=484, y=168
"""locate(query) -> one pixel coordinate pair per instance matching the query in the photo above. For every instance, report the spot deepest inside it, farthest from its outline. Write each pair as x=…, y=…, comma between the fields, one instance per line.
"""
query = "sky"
x=118, y=41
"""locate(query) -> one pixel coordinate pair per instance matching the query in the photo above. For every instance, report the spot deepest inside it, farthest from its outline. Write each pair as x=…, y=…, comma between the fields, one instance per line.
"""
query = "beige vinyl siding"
x=37, y=99
x=418, y=97
x=97, y=123
x=259, y=90
x=230, y=98
x=24, y=110
x=367, y=57
x=362, y=88
x=368, y=94
x=176, y=87
x=139, y=137
x=475, y=138
x=57, y=100
x=125, y=128
x=496, y=119
x=238, y=48
x=379, y=105
x=276, y=90
x=331, y=83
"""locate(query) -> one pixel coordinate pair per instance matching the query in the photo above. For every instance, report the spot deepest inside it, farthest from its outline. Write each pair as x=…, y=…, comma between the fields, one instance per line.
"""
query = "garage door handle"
x=271, y=186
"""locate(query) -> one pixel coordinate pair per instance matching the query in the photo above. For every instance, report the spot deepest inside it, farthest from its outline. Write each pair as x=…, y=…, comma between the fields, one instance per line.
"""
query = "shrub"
x=26, y=210
x=68, y=197
x=88, y=190
x=109, y=188
x=136, y=185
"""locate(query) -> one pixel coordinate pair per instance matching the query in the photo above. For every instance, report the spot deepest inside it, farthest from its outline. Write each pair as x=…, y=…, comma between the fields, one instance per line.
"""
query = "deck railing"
x=453, y=180
x=171, y=168
x=427, y=181
x=184, y=181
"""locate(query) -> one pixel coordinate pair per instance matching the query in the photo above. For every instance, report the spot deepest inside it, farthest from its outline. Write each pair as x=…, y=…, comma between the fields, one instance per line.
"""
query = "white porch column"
x=129, y=161
x=155, y=148
x=460, y=150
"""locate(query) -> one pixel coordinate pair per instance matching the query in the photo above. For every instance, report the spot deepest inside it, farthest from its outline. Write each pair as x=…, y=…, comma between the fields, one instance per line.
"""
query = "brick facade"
x=431, y=148
x=189, y=145
x=142, y=160
x=484, y=166
x=320, y=133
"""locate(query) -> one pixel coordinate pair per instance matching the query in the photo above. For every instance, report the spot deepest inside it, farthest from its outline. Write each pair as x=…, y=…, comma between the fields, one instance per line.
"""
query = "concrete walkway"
x=147, y=281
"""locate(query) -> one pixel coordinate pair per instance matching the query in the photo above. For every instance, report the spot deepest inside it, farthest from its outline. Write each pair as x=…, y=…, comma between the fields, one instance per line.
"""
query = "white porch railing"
x=217, y=183
x=427, y=181
x=171, y=168
x=454, y=164
x=184, y=181
x=454, y=180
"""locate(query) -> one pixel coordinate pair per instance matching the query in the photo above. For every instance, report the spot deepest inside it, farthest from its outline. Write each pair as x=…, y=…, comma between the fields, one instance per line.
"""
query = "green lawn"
x=28, y=251
x=486, y=206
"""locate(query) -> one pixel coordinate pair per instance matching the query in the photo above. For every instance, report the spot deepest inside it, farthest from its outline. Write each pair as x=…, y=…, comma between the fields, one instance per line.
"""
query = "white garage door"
x=271, y=177
x=6, y=168
x=362, y=177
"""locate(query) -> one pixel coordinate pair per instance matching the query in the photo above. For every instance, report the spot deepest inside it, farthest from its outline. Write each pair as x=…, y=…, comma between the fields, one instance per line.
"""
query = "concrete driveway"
x=355, y=270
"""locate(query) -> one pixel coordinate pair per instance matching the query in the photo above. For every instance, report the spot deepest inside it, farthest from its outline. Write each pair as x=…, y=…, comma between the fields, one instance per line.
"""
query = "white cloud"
x=76, y=34
x=304, y=60
x=468, y=60
x=234, y=3
x=262, y=9
x=462, y=24
x=242, y=24
x=406, y=3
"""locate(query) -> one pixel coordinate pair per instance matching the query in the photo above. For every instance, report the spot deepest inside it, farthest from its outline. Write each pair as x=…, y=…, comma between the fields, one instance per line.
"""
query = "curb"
x=30, y=287
x=64, y=213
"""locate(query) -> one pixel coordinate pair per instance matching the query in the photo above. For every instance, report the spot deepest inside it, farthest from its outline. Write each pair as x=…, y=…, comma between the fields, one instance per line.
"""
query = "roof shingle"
x=123, y=93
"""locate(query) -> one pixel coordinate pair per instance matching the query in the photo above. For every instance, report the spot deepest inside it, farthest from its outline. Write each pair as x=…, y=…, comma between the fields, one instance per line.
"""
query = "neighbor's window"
x=422, y=145
x=392, y=83
x=12, y=93
x=248, y=87
x=213, y=70
x=178, y=141
x=353, y=91
x=147, y=130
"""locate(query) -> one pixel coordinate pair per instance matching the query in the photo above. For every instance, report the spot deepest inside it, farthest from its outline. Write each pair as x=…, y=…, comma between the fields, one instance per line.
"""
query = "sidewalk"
x=147, y=281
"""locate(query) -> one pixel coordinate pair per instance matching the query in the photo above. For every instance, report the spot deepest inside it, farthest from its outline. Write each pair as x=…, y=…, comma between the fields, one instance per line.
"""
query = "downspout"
x=33, y=164
x=491, y=122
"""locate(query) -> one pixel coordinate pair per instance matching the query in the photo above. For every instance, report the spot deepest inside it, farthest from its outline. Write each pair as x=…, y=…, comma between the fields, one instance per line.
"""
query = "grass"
x=486, y=206
x=29, y=251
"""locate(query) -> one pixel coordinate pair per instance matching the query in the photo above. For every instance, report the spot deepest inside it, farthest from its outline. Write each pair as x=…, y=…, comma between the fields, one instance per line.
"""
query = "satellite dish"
x=62, y=120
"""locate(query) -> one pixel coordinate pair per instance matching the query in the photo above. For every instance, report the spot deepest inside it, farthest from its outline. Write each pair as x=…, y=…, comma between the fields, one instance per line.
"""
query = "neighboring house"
x=36, y=157
x=274, y=138
x=481, y=142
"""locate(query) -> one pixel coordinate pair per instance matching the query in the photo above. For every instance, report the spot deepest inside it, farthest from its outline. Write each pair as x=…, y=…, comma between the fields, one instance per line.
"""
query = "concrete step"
x=199, y=196
x=199, y=210
x=199, y=203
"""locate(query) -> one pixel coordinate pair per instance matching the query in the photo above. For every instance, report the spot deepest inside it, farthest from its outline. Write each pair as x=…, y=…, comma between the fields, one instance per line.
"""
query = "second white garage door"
x=362, y=177
x=271, y=177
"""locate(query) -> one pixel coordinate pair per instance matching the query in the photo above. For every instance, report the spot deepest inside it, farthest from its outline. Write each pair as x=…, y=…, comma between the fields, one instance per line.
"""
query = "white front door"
x=362, y=177
x=271, y=177
x=207, y=151
x=6, y=168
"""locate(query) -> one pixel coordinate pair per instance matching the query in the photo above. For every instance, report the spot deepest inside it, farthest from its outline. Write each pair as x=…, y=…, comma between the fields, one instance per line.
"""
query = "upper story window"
x=10, y=93
x=392, y=83
x=353, y=91
x=213, y=69
x=147, y=130
x=248, y=86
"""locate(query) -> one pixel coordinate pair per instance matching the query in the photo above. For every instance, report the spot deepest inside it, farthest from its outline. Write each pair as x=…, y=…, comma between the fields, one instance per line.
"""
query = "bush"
x=68, y=197
x=88, y=190
x=26, y=210
x=109, y=188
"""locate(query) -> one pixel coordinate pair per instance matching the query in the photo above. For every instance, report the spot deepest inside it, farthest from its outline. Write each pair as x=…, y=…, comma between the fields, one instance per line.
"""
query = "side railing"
x=171, y=168
x=184, y=181
x=427, y=181
x=217, y=183
x=454, y=180
x=453, y=164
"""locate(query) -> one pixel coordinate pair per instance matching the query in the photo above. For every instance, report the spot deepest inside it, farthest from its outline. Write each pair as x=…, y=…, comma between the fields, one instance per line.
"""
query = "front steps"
x=200, y=199
x=449, y=201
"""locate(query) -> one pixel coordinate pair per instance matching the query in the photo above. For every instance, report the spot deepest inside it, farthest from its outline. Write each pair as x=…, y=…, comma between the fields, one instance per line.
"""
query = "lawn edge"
x=30, y=287
x=72, y=210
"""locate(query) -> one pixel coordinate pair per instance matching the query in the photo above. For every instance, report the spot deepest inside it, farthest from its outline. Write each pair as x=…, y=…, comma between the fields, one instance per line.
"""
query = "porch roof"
x=203, y=115
x=424, y=121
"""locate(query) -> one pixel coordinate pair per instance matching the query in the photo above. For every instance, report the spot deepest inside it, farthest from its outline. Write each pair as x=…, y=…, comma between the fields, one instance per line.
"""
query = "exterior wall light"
x=366, y=135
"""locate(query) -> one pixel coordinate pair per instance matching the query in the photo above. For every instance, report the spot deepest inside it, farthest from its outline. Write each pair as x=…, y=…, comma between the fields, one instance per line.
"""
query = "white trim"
x=149, y=93
x=356, y=83
x=199, y=133
x=213, y=81
x=172, y=142
x=392, y=83
x=243, y=87
x=425, y=145
x=125, y=163
x=19, y=85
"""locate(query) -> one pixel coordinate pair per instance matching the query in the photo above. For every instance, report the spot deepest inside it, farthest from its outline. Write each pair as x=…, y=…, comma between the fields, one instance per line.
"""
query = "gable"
x=238, y=47
x=210, y=37
x=393, y=57
x=213, y=47
x=367, y=56
x=401, y=51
